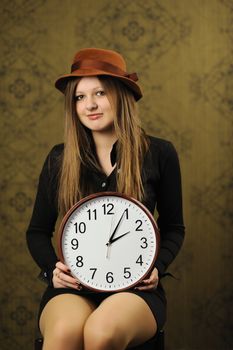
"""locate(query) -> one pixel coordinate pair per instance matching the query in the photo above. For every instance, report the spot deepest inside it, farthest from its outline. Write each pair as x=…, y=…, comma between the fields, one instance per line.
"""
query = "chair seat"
x=156, y=343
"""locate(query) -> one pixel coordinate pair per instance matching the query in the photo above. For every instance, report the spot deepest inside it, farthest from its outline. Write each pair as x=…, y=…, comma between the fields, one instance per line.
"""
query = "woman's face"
x=92, y=105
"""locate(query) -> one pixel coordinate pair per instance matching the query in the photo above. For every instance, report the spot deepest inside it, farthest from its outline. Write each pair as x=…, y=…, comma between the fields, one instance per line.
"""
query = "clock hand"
x=115, y=230
x=116, y=239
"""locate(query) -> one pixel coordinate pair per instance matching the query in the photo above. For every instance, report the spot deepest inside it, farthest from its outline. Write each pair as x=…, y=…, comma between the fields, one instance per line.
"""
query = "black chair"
x=156, y=343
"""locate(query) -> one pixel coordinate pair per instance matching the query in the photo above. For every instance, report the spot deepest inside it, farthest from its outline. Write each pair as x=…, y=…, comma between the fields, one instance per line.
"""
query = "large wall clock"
x=109, y=241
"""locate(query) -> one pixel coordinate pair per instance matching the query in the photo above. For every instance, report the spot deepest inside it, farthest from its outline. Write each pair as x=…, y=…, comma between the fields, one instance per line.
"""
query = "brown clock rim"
x=103, y=194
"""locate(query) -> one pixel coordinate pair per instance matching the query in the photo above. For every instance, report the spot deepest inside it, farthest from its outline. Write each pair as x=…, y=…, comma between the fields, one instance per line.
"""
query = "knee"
x=102, y=337
x=62, y=332
x=98, y=339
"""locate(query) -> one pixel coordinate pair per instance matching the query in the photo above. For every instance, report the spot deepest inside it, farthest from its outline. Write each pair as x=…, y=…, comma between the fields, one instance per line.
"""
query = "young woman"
x=104, y=149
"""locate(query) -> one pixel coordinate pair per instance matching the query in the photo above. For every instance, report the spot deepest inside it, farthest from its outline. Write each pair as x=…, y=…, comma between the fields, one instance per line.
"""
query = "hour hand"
x=116, y=239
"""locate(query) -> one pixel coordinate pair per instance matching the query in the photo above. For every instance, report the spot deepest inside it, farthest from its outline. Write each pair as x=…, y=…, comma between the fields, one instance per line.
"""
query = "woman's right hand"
x=63, y=279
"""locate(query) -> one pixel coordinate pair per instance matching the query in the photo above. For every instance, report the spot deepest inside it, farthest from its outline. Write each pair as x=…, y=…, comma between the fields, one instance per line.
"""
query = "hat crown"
x=101, y=55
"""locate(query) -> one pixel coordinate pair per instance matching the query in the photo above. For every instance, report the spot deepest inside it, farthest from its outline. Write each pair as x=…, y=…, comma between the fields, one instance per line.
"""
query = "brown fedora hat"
x=93, y=61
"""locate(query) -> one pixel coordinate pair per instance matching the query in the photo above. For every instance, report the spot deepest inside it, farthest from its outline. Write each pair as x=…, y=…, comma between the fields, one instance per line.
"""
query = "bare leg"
x=122, y=320
x=62, y=322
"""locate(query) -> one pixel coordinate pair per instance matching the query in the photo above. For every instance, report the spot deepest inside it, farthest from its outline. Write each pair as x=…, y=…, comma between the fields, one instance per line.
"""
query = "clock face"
x=109, y=241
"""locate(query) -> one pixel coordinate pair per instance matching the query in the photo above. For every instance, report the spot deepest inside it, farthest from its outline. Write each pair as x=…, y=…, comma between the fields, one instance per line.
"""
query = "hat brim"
x=62, y=81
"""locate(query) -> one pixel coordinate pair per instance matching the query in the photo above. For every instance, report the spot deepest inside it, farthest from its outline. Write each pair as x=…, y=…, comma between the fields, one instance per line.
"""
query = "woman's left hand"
x=149, y=283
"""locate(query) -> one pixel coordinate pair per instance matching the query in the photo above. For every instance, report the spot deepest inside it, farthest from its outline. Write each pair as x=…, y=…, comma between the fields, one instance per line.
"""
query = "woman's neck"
x=104, y=141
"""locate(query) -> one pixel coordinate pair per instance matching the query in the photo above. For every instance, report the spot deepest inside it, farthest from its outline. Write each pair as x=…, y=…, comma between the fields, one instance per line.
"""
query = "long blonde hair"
x=79, y=146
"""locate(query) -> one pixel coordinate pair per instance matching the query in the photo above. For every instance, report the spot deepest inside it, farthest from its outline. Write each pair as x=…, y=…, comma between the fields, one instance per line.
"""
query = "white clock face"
x=109, y=242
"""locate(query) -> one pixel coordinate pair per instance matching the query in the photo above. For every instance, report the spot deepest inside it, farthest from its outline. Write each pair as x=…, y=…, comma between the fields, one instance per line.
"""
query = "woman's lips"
x=94, y=116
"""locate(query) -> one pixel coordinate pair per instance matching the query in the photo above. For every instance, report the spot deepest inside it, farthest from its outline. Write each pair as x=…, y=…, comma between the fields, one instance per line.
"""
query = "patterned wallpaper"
x=182, y=51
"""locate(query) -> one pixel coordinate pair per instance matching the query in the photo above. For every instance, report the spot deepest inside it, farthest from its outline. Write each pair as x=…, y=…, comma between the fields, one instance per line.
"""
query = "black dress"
x=162, y=185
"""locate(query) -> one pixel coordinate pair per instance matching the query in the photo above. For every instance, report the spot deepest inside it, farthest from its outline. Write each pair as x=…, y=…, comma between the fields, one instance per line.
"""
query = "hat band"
x=104, y=66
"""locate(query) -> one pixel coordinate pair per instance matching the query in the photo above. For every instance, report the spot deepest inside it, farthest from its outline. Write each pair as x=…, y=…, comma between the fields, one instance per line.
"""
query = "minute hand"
x=115, y=230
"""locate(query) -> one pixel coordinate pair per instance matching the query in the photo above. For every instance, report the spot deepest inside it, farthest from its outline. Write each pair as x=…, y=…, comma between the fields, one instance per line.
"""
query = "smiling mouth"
x=94, y=116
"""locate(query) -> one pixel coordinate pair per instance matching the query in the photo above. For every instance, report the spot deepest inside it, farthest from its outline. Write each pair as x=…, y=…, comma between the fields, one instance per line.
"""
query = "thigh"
x=127, y=316
x=65, y=310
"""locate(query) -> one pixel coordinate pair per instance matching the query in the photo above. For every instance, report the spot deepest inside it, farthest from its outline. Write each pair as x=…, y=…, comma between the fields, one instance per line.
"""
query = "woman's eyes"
x=80, y=97
x=100, y=93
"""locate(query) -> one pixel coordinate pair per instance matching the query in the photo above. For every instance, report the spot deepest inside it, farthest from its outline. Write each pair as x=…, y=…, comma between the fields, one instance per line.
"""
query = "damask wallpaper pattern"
x=182, y=51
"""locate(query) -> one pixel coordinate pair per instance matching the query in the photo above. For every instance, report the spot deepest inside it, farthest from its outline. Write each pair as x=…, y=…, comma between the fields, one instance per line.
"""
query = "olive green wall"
x=182, y=51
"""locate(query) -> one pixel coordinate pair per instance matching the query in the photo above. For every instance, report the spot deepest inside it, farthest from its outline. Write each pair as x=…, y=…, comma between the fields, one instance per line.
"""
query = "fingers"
x=63, y=283
x=147, y=286
x=63, y=279
x=62, y=267
x=150, y=283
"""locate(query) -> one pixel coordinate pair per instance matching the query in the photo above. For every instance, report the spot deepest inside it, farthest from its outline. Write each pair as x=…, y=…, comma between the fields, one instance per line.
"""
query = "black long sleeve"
x=44, y=216
x=169, y=207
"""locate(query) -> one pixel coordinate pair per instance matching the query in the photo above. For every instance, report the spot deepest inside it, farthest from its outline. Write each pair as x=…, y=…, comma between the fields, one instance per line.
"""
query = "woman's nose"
x=91, y=104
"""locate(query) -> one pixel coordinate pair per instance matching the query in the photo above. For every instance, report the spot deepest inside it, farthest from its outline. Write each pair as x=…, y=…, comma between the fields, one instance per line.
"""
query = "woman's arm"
x=169, y=207
x=163, y=166
x=44, y=216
